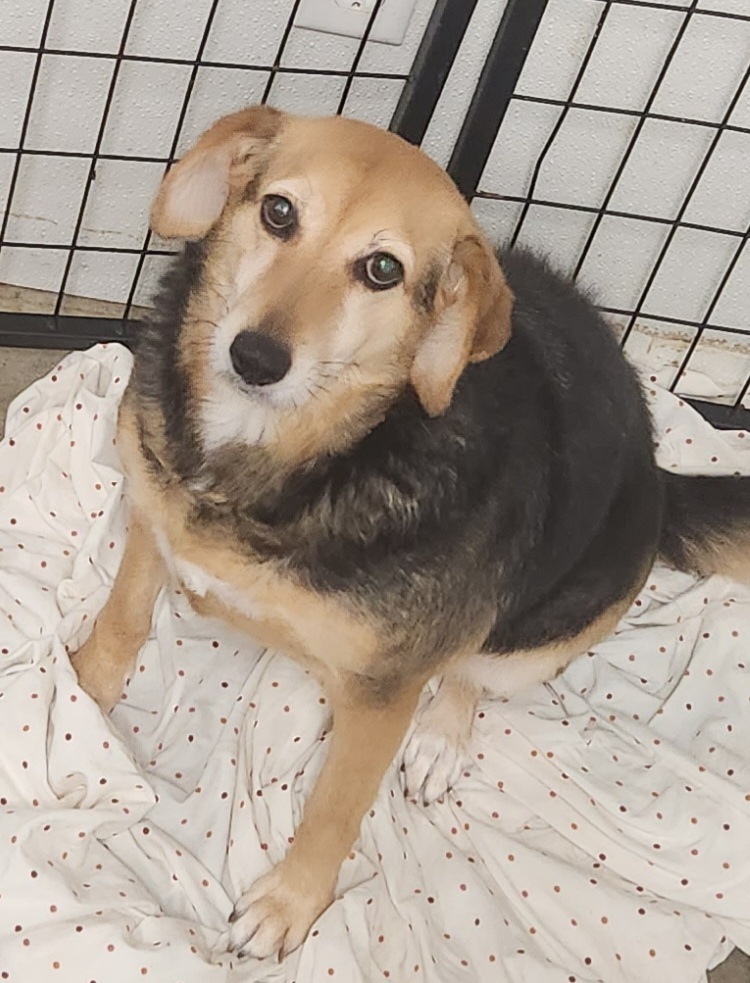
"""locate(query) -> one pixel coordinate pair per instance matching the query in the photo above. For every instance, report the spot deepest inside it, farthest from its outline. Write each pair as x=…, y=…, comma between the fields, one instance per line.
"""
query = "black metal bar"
x=144, y=251
x=276, y=67
x=97, y=147
x=591, y=107
x=721, y=416
x=738, y=403
x=25, y=124
x=82, y=155
x=613, y=213
x=705, y=323
x=655, y=5
x=68, y=332
x=705, y=160
x=432, y=65
x=494, y=91
x=633, y=140
x=358, y=56
x=560, y=121
x=682, y=322
x=83, y=248
x=237, y=66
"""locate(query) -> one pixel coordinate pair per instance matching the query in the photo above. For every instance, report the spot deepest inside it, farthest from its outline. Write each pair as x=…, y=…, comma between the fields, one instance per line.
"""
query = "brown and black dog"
x=356, y=433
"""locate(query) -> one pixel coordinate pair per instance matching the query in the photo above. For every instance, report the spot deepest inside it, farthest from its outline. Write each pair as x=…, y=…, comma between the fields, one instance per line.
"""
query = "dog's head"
x=340, y=266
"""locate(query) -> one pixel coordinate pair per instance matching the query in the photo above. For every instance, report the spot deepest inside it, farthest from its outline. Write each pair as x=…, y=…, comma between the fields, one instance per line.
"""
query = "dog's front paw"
x=102, y=680
x=433, y=762
x=275, y=915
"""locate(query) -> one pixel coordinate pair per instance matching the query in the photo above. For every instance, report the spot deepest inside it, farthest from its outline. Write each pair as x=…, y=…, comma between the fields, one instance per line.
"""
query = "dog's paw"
x=97, y=678
x=274, y=916
x=433, y=762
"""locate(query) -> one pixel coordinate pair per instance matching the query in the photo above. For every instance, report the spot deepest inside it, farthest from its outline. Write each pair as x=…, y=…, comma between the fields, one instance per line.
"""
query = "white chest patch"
x=195, y=579
x=198, y=581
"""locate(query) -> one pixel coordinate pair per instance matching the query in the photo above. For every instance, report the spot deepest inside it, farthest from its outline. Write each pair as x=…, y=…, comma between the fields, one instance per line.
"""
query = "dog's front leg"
x=275, y=915
x=105, y=661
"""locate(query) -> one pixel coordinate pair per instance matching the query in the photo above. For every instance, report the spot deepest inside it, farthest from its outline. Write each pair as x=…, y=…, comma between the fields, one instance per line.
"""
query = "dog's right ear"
x=473, y=322
x=195, y=190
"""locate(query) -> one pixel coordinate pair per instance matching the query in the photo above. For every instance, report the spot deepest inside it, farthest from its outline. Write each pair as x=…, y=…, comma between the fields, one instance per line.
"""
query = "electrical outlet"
x=350, y=18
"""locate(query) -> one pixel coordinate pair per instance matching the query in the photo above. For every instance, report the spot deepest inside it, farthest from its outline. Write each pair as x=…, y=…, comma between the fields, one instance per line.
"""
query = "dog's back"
x=536, y=492
x=605, y=509
x=589, y=468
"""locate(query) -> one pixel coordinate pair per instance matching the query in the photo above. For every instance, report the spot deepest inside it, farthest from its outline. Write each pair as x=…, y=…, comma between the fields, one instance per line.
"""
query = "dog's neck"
x=234, y=476
x=249, y=480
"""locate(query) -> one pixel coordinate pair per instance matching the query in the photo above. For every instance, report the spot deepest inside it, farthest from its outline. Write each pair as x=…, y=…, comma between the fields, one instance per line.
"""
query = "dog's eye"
x=382, y=271
x=278, y=215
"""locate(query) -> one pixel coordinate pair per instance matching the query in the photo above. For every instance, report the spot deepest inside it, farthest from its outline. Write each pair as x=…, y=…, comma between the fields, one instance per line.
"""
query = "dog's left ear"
x=194, y=192
x=472, y=322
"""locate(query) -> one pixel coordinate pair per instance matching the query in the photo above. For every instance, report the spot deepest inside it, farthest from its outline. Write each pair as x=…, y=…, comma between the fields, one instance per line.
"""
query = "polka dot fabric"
x=599, y=834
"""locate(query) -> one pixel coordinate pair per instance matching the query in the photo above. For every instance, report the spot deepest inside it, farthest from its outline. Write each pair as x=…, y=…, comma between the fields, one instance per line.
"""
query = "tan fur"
x=561, y=654
x=366, y=732
x=349, y=780
x=722, y=557
x=473, y=323
x=346, y=200
x=194, y=192
x=734, y=562
x=299, y=620
x=105, y=661
x=435, y=755
x=503, y=676
x=453, y=307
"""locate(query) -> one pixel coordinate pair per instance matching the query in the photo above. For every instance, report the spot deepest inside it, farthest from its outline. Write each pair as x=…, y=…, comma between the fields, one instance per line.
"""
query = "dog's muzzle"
x=258, y=359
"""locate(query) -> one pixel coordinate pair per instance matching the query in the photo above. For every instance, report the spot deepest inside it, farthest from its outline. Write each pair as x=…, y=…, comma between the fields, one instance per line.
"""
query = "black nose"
x=259, y=359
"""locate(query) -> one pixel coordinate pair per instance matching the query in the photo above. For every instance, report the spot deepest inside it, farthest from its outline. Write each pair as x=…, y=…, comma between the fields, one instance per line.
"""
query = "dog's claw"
x=274, y=916
x=433, y=763
x=232, y=946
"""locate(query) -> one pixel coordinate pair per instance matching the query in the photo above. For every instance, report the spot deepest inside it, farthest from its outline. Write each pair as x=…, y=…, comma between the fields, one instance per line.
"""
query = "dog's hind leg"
x=438, y=749
x=104, y=662
x=438, y=746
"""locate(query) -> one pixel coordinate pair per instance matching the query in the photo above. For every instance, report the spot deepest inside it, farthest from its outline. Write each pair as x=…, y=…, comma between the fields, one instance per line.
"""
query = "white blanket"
x=603, y=832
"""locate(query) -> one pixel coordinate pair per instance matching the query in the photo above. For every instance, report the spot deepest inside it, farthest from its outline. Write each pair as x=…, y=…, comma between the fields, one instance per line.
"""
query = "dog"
x=357, y=433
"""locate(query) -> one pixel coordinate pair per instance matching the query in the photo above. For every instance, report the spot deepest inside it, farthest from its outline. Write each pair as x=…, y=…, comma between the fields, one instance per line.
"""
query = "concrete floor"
x=735, y=970
x=19, y=367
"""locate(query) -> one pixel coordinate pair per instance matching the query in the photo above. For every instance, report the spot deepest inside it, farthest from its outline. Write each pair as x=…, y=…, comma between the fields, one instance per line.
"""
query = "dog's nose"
x=259, y=359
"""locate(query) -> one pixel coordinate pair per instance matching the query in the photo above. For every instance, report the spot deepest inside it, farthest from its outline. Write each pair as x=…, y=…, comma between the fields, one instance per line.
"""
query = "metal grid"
x=420, y=92
x=487, y=112
x=497, y=92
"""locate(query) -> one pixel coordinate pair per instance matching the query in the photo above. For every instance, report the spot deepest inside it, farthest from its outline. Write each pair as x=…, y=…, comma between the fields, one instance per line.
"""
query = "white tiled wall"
x=71, y=94
x=69, y=101
x=15, y=71
x=578, y=169
x=79, y=25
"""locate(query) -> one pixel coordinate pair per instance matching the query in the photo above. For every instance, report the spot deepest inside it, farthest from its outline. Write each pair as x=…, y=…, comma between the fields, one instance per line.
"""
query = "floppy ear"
x=472, y=323
x=194, y=191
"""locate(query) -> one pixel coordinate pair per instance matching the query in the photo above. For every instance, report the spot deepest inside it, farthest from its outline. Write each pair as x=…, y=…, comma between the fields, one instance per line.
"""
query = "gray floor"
x=21, y=366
